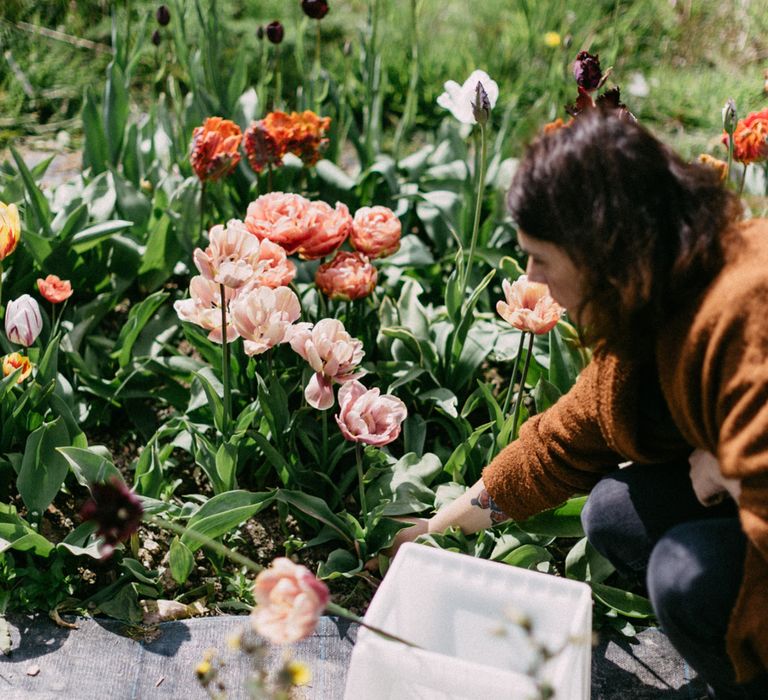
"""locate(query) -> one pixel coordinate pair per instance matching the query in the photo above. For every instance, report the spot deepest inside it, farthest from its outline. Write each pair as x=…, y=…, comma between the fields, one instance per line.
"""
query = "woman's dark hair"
x=643, y=226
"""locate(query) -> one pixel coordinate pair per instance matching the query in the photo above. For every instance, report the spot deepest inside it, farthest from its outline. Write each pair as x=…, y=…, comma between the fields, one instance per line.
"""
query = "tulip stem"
x=202, y=208
x=743, y=178
x=1, y=282
x=508, y=397
x=225, y=361
x=361, y=485
x=478, y=209
x=519, y=400
x=335, y=609
x=208, y=542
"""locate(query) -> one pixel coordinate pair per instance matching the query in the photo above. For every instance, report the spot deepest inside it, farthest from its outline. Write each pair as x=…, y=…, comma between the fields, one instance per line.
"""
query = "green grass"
x=693, y=55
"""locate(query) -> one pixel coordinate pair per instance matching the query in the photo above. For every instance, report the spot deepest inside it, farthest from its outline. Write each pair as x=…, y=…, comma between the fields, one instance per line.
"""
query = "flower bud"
x=586, y=70
x=156, y=37
x=163, y=15
x=23, y=322
x=730, y=117
x=275, y=32
x=481, y=105
x=260, y=33
x=316, y=9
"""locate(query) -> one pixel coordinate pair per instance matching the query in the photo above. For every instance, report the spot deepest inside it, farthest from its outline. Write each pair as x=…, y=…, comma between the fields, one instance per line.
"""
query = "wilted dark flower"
x=156, y=38
x=586, y=70
x=316, y=9
x=612, y=99
x=163, y=15
x=116, y=510
x=275, y=32
x=481, y=105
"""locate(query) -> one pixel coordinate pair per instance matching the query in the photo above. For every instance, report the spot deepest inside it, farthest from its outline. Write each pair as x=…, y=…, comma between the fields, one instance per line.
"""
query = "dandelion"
x=552, y=40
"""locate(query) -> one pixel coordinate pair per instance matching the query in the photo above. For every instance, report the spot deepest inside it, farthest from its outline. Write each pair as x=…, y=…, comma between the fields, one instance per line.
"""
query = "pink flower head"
x=54, y=289
x=289, y=602
x=376, y=232
x=262, y=316
x=327, y=229
x=231, y=256
x=369, y=417
x=331, y=352
x=273, y=269
x=348, y=276
x=528, y=306
x=203, y=308
x=23, y=321
x=279, y=217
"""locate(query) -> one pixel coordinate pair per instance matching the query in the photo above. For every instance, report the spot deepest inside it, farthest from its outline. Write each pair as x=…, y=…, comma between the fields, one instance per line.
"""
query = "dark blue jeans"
x=647, y=518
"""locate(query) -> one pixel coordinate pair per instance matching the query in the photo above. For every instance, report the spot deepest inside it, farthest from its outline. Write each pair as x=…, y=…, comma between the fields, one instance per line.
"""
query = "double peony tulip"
x=262, y=317
x=376, y=231
x=289, y=602
x=528, y=306
x=279, y=217
x=23, y=321
x=203, y=308
x=326, y=229
x=368, y=416
x=348, y=276
x=331, y=352
x=215, y=148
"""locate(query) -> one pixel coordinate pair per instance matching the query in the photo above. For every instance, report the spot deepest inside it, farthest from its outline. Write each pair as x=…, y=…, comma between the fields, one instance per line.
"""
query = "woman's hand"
x=417, y=526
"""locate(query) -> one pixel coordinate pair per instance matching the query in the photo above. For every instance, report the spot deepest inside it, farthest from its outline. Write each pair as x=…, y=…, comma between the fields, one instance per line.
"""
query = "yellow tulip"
x=10, y=229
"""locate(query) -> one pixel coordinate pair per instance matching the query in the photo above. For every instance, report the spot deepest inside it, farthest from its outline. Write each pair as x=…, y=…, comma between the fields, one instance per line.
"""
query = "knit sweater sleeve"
x=736, y=381
x=560, y=452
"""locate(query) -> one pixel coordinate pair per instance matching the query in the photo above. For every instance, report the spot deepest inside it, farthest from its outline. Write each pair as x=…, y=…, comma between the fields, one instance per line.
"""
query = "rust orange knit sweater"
x=712, y=366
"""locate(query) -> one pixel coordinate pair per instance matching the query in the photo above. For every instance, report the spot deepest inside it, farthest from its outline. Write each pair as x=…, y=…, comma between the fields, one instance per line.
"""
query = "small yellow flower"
x=205, y=670
x=552, y=40
x=298, y=672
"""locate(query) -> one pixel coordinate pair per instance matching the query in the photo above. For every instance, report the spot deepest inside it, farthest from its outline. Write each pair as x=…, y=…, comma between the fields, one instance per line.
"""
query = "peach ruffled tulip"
x=262, y=316
x=23, y=321
x=376, y=231
x=231, y=256
x=368, y=416
x=528, y=306
x=215, y=148
x=332, y=352
x=348, y=276
x=14, y=361
x=279, y=217
x=273, y=268
x=327, y=229
x=10, y=229
x=203, y=308
x=289, y=602
x=54, y=289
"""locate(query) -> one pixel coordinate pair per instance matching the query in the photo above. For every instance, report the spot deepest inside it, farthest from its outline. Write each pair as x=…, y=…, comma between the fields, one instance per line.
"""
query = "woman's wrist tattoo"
x=484, y=501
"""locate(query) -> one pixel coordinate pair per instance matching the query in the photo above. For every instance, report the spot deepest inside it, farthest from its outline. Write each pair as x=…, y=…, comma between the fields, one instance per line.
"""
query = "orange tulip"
x=215, y=148
x=54, y=289
x=14, y=361
x=10, y=229
x=750, y=139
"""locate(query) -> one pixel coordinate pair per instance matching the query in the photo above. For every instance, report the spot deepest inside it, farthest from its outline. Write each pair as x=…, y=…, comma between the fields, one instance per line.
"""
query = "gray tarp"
x=96, y=662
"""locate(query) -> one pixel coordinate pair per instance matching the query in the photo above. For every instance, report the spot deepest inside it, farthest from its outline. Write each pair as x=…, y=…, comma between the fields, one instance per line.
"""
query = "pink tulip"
x=23, y=321
x=366, y=416
x=279, y=216
x=331, y=352
x=289, y=602
x=262, y=316
x=327, y=229
x=376, y=232
x=273, y=269
x=231, y=256
x=348, y=276
x=203, y=308
x=528, y=306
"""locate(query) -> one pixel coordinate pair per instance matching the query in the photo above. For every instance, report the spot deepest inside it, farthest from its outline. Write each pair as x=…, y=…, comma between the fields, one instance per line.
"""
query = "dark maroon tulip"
x=586, y=70
x=275, y=32
x=116, y=510
x=260, y=33
x=163, y=15
x=316, y=9
x=156, y=37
